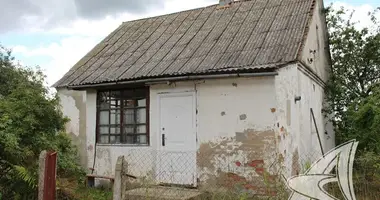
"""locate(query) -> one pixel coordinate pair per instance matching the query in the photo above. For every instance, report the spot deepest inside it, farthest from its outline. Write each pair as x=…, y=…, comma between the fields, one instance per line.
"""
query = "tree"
x=355, y=73
x=30, y=121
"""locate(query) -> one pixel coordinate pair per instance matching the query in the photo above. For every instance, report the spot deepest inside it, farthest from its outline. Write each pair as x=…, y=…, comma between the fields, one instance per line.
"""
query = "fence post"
x=47, y=176
x=41, y=175
x=117, y=186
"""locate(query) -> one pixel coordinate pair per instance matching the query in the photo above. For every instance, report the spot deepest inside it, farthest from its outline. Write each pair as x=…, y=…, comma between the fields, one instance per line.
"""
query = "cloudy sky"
x=56, y=34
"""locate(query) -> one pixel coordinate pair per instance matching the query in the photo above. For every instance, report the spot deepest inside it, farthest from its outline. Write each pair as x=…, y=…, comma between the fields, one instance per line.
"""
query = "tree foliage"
x=354, y=82
x=30, y=121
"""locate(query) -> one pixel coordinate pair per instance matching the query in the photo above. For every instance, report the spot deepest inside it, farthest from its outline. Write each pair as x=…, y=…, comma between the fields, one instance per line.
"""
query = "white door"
x=177, y=139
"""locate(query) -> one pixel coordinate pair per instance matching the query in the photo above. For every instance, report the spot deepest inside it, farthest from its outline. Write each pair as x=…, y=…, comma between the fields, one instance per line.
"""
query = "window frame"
x=122, y=110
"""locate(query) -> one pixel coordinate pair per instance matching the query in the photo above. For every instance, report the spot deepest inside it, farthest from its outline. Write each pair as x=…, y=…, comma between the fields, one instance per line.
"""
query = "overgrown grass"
x=72, y=190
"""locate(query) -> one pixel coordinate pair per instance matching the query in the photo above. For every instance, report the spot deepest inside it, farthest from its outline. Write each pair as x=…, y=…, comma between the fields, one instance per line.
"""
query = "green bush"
x=30, y=122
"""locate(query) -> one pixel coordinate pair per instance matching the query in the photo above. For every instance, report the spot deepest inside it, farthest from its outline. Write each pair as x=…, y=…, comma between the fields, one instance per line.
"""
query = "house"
x=236, y=87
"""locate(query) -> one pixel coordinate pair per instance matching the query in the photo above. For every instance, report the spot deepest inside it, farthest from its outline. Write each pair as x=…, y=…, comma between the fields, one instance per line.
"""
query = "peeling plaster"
x=73, y=113
x=220, y=157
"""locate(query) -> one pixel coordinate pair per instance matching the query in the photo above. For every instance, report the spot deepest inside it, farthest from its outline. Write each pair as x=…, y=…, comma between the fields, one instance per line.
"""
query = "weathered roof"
x=247, y=35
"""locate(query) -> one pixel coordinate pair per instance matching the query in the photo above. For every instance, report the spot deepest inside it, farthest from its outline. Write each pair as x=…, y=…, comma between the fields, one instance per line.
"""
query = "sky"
x=54, y=35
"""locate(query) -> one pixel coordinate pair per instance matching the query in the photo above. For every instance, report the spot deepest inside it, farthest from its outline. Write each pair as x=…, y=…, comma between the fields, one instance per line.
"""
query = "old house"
x=191, y=95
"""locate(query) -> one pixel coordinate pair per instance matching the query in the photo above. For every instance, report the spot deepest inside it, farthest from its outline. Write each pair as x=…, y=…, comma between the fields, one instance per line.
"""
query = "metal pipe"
x=178, y=78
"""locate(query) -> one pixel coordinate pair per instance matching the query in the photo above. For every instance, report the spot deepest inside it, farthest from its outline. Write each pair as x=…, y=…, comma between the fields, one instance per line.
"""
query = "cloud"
x=100, y=8
x=360, y=15
x=45, y=15
x=81, y=35
x=24, y=15
x=59, y=56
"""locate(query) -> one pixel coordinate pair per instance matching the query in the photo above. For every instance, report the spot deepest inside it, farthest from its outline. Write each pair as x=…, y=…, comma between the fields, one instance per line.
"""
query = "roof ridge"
x=178, y=12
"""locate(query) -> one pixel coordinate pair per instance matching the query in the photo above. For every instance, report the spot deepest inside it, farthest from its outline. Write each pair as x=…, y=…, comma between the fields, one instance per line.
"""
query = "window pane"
x=115, y=139
x=141, y=103
x=104, y=139
x=115, y=130
x=104, y=105
x=129, y=139
x=129, y=129
x=104, y=118
x=104, y=130
x=141, y=116
x=129, y=116
x=142, y=139
x=129, y=103
x=141, y=129
x=115, y=116
x=115, y=104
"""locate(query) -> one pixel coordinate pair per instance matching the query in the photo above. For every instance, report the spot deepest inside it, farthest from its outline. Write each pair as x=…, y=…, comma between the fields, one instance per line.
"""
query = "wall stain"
x=243, y=117
x=243, y=159
x=223, y=113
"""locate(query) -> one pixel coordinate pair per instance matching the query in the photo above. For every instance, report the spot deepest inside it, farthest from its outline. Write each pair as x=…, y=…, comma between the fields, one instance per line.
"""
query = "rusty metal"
x=50, y=176
x=316, y=128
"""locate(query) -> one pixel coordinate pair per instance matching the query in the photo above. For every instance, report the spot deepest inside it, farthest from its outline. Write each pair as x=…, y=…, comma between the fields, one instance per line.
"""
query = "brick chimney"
x=225, y=2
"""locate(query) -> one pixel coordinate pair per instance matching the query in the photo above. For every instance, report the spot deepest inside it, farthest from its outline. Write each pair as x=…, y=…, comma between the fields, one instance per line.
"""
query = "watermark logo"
x=310, y=184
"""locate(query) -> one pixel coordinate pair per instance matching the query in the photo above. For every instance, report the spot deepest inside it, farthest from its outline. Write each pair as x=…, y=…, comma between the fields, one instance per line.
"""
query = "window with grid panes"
x=122, y=117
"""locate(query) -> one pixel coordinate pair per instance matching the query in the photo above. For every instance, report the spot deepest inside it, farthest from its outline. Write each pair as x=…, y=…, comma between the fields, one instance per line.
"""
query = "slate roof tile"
x=247, y=35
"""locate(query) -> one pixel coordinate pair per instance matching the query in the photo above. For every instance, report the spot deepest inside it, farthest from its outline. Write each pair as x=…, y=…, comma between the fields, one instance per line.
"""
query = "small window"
x=122, y=117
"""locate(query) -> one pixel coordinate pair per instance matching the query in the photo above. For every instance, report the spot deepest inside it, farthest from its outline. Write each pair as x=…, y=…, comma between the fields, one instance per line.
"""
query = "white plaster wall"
x=249, y=98
x=298, y=141
x=317, y=41
x=286, y=119
x=70, y=109
x=225, y=107
x=313, y=94
x=73, y=104
x=221, y=103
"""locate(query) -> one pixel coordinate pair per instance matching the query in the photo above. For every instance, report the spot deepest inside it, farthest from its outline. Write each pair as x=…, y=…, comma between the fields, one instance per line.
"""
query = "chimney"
x=225, y=2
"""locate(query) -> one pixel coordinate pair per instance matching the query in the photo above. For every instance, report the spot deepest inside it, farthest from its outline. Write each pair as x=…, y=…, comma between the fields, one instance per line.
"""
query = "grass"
x=72, y=190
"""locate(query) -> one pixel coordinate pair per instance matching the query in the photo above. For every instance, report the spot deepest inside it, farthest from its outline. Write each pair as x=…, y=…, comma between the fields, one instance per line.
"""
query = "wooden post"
x=47, y=176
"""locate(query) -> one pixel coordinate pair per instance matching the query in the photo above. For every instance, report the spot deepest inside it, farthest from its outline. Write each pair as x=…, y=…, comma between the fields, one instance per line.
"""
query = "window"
x=122, y=117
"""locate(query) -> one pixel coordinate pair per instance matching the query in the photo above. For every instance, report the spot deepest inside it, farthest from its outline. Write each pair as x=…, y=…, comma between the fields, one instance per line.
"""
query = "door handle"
x=163, y=140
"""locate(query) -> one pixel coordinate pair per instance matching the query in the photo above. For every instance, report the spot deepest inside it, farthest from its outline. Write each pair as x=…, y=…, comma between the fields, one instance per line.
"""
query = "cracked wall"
x=74, y=107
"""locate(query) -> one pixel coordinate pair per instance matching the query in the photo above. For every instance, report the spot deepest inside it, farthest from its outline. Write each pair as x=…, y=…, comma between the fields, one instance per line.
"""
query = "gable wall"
x=316, y=41
x=298, y=139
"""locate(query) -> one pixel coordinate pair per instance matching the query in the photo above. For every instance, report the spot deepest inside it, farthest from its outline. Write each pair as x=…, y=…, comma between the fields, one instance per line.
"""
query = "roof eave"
x=272, y=72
